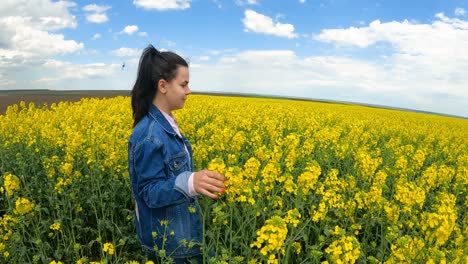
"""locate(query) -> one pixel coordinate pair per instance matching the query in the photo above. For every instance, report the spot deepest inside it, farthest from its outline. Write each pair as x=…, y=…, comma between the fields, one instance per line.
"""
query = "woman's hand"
x=208, y=182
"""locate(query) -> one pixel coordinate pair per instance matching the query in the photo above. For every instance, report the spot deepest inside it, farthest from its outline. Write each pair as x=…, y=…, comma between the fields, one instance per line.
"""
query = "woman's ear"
x=162, y=86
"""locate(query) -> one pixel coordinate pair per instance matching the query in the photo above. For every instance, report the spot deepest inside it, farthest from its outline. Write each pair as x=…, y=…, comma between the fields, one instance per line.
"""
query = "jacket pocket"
x=178, y=163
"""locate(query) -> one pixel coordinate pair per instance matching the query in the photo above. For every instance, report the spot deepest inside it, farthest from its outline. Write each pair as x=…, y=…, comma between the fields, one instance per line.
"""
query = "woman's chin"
x=179, y=106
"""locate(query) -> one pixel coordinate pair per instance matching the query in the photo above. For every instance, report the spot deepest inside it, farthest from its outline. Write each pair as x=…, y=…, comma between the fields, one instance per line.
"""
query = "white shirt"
x=174, y=126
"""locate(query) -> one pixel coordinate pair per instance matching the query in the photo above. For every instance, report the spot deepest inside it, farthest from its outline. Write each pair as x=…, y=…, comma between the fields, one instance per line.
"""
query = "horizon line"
x=219, y=93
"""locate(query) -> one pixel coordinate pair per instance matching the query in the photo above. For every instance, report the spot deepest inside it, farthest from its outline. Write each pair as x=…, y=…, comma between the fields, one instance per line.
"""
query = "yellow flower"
x=272, y=234
x=55, y=262
x=83, y=260
x=23, y=206
x=307, y=180
x=439, y=224
x=217, y=165
x=66, y=168
x=293, y=217
x=109, y=248
x=11, y=182
x=297, y=246
x=62, y=183
x=344, y=250
x=409, y=194
x=408, y=250
x=55, y=226
x=192, y=209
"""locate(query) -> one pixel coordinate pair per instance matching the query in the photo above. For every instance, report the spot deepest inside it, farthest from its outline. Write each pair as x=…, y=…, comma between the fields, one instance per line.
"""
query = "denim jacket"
x=159, y=170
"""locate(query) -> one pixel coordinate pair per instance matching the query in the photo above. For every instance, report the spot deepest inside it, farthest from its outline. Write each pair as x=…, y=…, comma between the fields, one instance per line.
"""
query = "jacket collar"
x=156, y=114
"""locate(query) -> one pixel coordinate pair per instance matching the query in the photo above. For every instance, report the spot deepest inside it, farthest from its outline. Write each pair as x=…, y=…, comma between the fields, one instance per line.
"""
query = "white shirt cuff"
x=191, y=188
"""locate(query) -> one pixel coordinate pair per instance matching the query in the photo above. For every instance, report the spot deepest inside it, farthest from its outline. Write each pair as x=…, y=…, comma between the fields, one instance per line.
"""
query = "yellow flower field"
x=308, y=182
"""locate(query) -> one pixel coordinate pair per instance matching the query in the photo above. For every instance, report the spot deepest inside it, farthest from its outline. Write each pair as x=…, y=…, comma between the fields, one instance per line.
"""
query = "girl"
x=165, y=188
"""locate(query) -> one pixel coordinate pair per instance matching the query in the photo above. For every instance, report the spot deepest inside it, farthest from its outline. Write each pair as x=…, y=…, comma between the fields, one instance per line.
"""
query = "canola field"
x=308, y=182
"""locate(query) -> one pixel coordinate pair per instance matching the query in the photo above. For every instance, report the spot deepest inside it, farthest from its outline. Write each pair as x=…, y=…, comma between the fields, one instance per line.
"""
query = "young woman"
x=165, y=188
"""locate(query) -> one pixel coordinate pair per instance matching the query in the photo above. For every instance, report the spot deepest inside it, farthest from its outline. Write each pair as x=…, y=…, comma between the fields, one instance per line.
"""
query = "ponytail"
x=153, y=66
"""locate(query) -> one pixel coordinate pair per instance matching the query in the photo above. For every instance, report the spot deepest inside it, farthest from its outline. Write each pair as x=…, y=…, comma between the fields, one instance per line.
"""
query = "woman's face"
x=178, y=89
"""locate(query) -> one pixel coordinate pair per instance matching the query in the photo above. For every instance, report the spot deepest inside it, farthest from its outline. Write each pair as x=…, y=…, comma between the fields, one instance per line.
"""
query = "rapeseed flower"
x=109, y=248
x=23, y=206
x=272, y=235
x=344, y=250
x=11, y=183
x=55, y=226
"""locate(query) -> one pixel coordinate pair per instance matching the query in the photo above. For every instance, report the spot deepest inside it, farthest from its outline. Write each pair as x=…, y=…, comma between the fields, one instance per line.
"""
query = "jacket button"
x=175, y=165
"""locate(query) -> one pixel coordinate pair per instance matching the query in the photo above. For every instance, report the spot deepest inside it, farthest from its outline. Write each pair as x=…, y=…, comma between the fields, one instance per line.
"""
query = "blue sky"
x=410, y=54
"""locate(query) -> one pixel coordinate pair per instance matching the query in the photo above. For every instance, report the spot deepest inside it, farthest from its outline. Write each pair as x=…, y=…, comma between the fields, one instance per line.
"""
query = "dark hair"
x=153, y=66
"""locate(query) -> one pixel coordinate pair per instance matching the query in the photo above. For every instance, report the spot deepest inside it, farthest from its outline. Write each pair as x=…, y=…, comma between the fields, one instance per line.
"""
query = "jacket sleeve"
x=152, y=185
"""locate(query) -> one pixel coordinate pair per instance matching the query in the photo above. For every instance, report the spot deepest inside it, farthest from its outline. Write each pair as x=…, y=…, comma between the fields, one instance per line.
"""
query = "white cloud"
x=225, y=51
x=435, y=53
x=302, y=1
x=28, y=38
x=204, y=58
x=194, y=65
x=163, y=4
x=63, y=75
x=66, y=70
x=127, y=52
x=130, y=29
x=43, y=14
x=246, y=2
x=396, y=81
x=96, y=36
x=96, y=8
x=215, y=52
x=166, y=42
x=96, y=13
x=97, y=18
x=88, y=52
x=142, y=34
x=26, y=31
x=460, y=11
x=406, y=37
x=361, y=37
x=5, y=82
x=25, y=40
x=259, y=23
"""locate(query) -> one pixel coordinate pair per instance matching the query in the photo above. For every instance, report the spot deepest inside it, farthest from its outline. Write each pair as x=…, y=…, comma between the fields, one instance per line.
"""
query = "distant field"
x=39, y=97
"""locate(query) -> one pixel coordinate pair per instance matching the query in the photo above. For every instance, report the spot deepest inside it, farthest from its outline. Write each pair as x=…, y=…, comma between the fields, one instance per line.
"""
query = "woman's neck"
x=162, y=105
